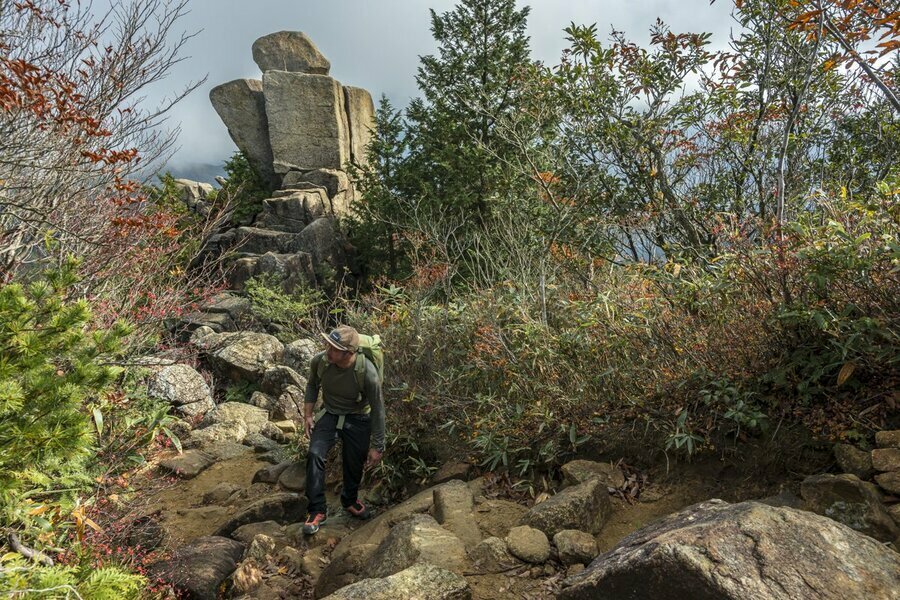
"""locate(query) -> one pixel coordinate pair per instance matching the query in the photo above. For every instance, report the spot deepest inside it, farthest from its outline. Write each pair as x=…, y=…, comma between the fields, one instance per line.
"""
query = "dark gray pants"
x=354, y=450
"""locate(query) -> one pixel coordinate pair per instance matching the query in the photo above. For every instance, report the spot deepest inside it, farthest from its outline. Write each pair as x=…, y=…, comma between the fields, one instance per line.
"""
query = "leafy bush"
x=693, y=353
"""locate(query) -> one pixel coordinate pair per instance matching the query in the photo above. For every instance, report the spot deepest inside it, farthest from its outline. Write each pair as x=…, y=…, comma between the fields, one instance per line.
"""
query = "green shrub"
x=53, y=373
x=294, y=315
x=244, y=189
x=18, y=579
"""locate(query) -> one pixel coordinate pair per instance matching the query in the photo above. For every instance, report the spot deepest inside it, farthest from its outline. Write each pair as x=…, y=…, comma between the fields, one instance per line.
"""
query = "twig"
x=34, y=555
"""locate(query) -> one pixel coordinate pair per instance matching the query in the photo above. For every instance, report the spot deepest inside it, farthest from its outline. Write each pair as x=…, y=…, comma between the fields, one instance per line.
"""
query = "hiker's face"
x=335, y=356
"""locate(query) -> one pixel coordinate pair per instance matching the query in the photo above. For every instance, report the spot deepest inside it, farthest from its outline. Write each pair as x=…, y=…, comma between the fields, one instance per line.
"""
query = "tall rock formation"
x=300, y=128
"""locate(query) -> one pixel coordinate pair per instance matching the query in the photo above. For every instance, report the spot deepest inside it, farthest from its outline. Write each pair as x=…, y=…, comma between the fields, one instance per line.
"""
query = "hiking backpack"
x=370, y=349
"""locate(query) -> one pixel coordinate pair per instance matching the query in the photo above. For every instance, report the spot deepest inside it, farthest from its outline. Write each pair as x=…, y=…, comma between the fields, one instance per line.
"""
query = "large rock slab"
x=281, y=507
x=585, y=507
x=716, y=550
x=848, y=500
x=419, y=539
x=182, y=386
x=242, y=107
x=242, y=356
x=307, y=122
x=361, y=118
x=423, y=581
x=198, y=568
x=289, y=51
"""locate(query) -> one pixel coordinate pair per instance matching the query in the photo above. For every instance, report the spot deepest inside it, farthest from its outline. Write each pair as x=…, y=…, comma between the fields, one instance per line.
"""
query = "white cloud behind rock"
x=375, y=44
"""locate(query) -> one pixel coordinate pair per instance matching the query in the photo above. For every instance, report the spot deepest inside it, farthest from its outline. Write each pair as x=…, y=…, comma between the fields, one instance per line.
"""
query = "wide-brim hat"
x=344, y=338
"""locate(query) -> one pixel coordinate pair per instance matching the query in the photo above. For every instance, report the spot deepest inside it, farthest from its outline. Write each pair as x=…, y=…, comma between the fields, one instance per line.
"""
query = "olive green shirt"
x=341, y=393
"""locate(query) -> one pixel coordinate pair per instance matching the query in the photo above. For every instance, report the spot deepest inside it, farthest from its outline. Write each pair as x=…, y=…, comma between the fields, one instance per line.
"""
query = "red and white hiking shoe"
x=313, y=521
x=358, y=510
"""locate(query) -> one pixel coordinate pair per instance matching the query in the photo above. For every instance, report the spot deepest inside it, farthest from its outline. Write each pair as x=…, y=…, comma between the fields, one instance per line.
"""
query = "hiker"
x=353, y=411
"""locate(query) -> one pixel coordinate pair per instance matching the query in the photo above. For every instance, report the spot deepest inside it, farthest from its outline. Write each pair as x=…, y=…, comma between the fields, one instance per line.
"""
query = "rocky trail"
x=233, y=513
x=229, y=508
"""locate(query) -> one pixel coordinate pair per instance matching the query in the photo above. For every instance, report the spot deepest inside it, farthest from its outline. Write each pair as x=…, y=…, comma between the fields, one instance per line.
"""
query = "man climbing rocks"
x=353, y=411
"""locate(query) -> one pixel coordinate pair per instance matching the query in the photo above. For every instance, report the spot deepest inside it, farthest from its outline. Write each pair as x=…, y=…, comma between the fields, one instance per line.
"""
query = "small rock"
x=262, y=400
x=492, y=556
x=575, y=547
x=452, y=470
x=298, y=353
x=528, y=544
x=279, y=377
x=187, y=465
x=579, y=471
x=854, y=461
x=886, y=459
x=247, y=577
x=894, y=511
x=273, y=433
x=247, y=533
x=574, y=570
x=220, y=451
x=279, y=455
x=261, y=548
x=888, y=439
x=260, y=443
x=287, y=406
x=293, y=478
x=291, y=558
x=220, y=493
x=271, y=473
x=313, y=562
x=286, y=426
x=890, y=482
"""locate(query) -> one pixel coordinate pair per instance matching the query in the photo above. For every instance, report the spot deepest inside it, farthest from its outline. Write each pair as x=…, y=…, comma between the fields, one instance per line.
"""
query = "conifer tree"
x=472, y=80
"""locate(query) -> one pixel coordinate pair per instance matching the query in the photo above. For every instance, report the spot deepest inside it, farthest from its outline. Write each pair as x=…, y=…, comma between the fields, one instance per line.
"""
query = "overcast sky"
x=376, y=44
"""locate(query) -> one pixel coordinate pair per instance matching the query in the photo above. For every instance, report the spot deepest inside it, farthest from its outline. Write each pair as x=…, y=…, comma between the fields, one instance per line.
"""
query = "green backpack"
x=370, y=348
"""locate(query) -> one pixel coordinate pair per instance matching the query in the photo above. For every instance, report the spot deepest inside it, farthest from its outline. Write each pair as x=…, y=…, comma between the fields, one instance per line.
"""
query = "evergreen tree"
x=472, y=81
x=376, y=223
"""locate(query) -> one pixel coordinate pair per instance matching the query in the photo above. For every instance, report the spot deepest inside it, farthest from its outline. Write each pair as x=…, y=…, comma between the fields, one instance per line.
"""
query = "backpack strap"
x=320, y=364
x=359, y=369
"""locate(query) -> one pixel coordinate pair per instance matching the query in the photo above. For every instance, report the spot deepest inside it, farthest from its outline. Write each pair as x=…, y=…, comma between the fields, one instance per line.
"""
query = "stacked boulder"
x=866, y=496
x=300, y=128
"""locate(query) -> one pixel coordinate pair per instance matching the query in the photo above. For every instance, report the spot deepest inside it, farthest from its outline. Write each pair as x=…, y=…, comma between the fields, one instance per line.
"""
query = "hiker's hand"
x=374, y=458
x=308, y=424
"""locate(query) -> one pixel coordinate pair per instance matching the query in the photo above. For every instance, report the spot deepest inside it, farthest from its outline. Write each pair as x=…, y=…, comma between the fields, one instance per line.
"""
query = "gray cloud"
x=375, y=45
